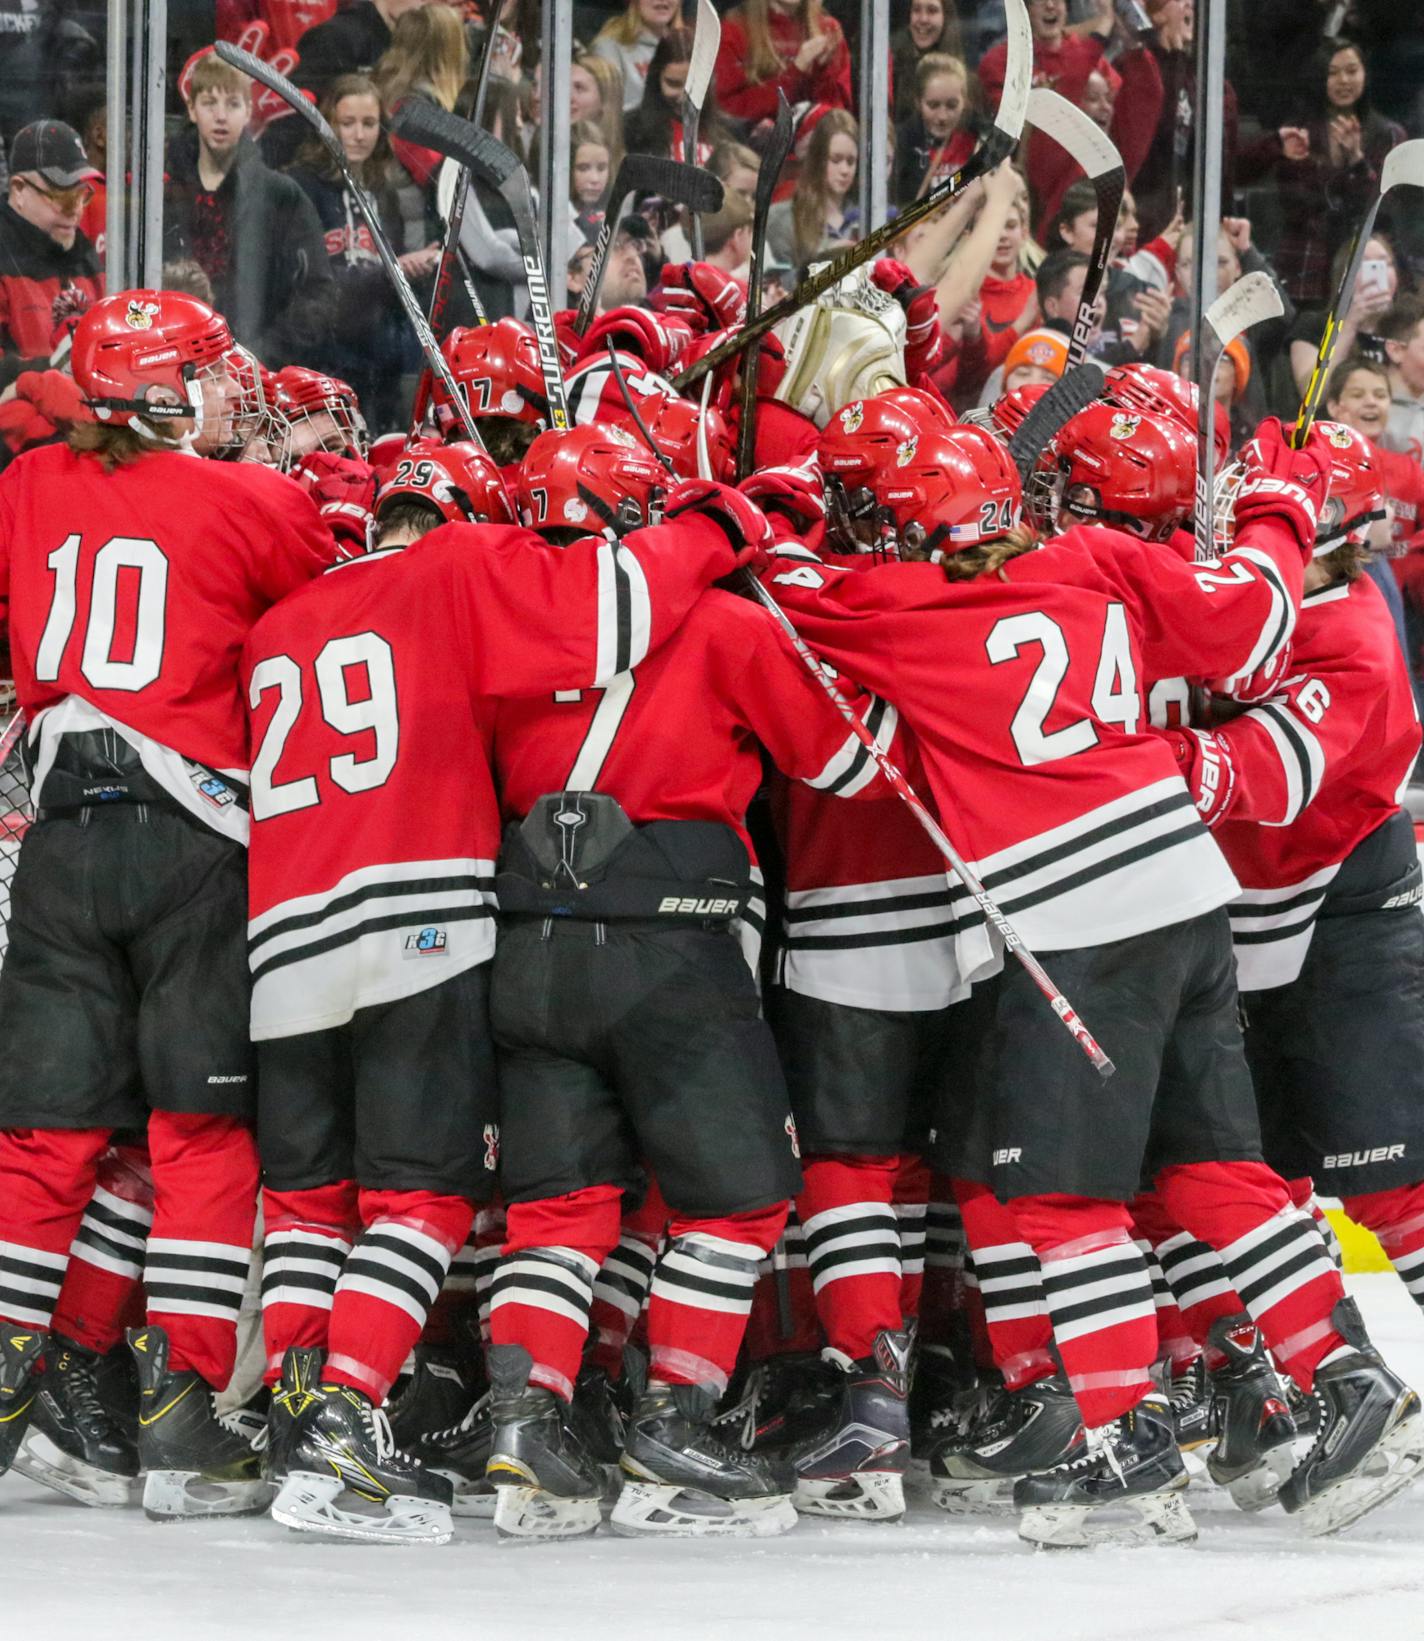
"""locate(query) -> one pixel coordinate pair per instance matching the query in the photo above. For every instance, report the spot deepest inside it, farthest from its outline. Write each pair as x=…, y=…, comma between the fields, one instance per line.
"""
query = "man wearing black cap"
x=49, y=271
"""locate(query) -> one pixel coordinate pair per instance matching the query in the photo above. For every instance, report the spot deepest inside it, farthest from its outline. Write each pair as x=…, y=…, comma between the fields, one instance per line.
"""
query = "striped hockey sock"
x=620, y=1289
x=1099, y=1297
x=702, y=1294
x=853, y=1247
x=1010, y=1288
x=306, y=1238
x=491, y=1228
x=47, y=1179
x=1273, y=1254
x=389, y=1282
x=942, y=1296
x=911, y=1205
x=1397, y=1219
x=784, y=1319
x=103, y=1287
x=1175, y=1345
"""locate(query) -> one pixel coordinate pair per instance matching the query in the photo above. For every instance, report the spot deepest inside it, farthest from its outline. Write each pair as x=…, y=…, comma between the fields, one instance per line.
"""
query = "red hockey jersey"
x=374, y=821
x=1318, y=769
x=129, y=594
x=1024, y=694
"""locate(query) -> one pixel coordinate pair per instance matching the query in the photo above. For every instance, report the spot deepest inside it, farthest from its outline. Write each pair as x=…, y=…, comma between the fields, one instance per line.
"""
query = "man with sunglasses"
x=49, y=270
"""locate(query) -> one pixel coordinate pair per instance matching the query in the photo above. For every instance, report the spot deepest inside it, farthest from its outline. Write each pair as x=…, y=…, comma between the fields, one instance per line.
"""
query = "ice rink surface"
x=927, y=1578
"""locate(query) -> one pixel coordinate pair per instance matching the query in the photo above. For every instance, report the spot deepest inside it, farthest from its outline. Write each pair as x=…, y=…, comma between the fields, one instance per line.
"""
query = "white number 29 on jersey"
x=378, y=712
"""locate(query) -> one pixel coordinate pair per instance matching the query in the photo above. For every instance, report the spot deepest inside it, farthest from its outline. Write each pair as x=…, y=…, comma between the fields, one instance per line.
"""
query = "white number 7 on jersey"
x=603, y=727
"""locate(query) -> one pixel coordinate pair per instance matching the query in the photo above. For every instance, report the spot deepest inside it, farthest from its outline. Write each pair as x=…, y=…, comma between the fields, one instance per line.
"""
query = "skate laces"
x=84, y=1396
x=463, y=1426
x=742, y=1415
x=380, y=1427
x=236, y=1423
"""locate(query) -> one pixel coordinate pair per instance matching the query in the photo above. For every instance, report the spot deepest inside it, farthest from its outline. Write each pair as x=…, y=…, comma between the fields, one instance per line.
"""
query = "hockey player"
x=497, y=369
x=130, y=573
x=1084, y=829
x=628, y=1033
x=372, y=926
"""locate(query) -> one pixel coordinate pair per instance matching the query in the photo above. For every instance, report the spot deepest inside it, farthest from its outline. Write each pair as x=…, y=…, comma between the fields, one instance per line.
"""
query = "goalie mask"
x=591, y=480
x=458, y=480
x=849, y=344
x=1125, y=468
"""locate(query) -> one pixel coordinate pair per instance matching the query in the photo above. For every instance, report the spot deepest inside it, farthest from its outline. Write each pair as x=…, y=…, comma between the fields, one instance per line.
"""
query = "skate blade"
x=985, y=1496
x=1161, y=1518
x=647, y=1509
x=528, y=1514
x=307, y=1504
x=864, y=1495
x=42, y=1461
x=1257, y=1489
x=1388, y=1468
x=188, y=1495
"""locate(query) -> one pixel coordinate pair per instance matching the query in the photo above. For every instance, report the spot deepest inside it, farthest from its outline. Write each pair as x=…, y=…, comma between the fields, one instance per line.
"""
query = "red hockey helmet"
x=1164, y=393
x=672, y=420
x=1128, y=468
x=591, y=478
x=130, y=346
x=458, y=480
x=862, y=439
x=1009, y=409
x=951, y=488
x=1356, y=499
x=322, y=413
x=497, y=368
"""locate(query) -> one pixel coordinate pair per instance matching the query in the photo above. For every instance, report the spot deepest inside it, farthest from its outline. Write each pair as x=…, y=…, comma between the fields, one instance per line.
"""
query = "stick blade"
x=433, y=127
x=687, y=185
x=1075, y=390
x=1250, y=301
x=1018, y=72
x=1092, y=148
x=706, y=38
x=1403, y=163
x=266, y=74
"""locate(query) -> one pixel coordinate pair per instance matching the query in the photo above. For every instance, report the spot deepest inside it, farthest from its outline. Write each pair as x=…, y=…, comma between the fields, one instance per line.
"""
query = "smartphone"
x=1374, y=276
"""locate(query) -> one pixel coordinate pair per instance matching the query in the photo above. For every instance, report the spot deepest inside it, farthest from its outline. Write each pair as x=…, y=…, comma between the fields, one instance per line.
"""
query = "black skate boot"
x=1190, y=1401
x=782, y=1403
x=461, y=1454
x=857, y=1468
x=194, y=1460
x=680, y=1478
x=597, y=1419
x=946, y=1397
x=20, y=1351
x=1254, y=1429
x=74, y=1445
x=437, y=1394
x=293, y=1395
x=345, y=1476
x=1134, y=1462
x=1371, y=1439
x=547, y=1486
x=1022, y=1432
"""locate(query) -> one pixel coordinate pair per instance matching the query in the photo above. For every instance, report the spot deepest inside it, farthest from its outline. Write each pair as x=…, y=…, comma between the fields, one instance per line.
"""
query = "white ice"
x=929, y=1578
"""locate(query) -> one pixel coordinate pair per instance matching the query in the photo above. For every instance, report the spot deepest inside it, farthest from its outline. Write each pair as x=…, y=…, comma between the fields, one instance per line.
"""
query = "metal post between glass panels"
x=874, y=71
x=555, y=56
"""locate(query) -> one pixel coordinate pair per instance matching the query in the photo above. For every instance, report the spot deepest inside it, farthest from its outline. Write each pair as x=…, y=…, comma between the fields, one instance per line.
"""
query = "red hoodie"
x=828, y=81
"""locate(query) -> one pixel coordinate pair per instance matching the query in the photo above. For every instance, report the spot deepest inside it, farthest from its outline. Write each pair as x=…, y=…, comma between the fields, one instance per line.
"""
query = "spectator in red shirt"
x=787, y=45
x=1006, y=307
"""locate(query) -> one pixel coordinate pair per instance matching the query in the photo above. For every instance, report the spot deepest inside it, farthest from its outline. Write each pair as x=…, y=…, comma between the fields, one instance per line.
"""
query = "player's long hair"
x=764, y=62
x=115, y=446
x=989, y=557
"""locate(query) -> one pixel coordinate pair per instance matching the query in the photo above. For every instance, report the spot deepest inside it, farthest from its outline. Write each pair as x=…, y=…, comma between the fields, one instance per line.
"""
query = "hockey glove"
x=344, y=491
x=745, y=526
x=924, y=342
x=658, y=340
x=1288, y=485
x=1204, y=763
x=791, y=493
x=703, y=296
x=1259, y=685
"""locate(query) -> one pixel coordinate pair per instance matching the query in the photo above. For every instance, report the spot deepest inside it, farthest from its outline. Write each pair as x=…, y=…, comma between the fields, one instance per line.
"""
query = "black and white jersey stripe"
x=625, y=612
x=1271, y=930
x=318, y=958
x=1298, y=748
x=1279, y=624
x=749, y=928
x=851, y=768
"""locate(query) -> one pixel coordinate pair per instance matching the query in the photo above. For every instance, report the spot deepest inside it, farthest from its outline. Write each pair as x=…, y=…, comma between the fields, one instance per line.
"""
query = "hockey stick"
x=996, y=146
x=706, y=38
x=897, y=782
x=1097, y=157
x=1074, y=390
x=1252, y=299
x=266, y=75
x=783, y=134
x=1403, y=164
x=485, y=157
x=643, y=174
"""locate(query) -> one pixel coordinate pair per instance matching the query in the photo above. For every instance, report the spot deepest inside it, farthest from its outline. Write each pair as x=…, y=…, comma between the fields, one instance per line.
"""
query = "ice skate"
x=1022, y=1431
x=461, y=1454
x=1190, y=1401
x=1254, y=1429
x=946, y=1397
x=344, y=1476
x=292, y=1395
x=20, y=1351
x=597, y=1420
x=547, y=1486
x=1134, y=1464
x=1370, y=1444
x=73, y=1444
x=783, y=1403
x=194, y=1460
x=681, y=1479
x=857, y=1469
x=436, y=1394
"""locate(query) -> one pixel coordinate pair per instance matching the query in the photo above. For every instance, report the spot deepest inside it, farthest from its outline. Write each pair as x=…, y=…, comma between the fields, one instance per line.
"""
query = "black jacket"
x=352, y=42
x=41, y=286
x=275, y=288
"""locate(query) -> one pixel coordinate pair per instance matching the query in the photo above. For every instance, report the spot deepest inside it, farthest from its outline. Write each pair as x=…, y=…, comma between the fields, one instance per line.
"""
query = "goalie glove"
x=658, y=339
x=745, y=526
x=344, y=490
x=924, y=339
x=704, y=297
x=1288, y=485
x=1204, y=763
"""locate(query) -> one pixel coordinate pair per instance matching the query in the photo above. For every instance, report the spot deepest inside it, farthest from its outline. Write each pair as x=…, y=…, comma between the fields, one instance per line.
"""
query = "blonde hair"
x=809, y=202
x=626, y=30
x=610, y=83
x=764, y=62
x=116, y=446
x=211, y=73
x=586, y=134
x=990, y=557
x=428, y=53
x=935, y=63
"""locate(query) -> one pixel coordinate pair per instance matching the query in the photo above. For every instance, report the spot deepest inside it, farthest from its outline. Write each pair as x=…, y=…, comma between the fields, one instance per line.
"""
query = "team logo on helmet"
x=575, y=511
x=140, y=315
x=1124, y=426
x=510, y=402
x=852, y=416
x=620, y=435
x=905, y=453
x=1341, y=437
